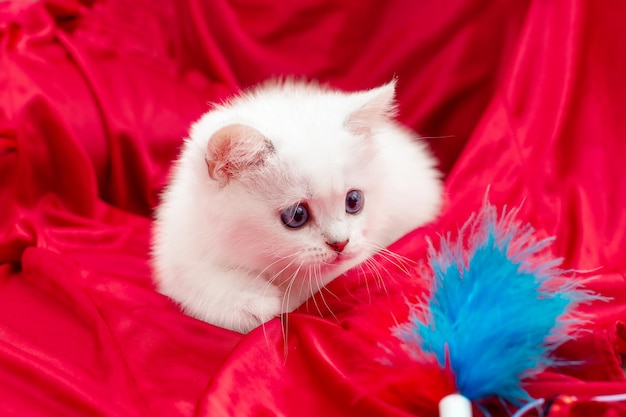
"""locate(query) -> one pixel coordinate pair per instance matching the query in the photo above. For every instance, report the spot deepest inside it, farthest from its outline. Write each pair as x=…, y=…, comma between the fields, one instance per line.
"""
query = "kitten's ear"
x=374, y=106
x=234, y=149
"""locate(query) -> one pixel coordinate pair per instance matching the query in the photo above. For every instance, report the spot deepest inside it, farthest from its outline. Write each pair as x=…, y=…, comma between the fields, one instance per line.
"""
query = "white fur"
x=221, y=250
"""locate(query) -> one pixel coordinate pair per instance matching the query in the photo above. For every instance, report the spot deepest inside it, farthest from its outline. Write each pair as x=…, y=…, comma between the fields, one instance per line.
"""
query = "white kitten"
x=281, y=190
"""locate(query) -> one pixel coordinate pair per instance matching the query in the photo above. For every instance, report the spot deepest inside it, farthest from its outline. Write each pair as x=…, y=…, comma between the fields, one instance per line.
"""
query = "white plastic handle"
x=455, y=405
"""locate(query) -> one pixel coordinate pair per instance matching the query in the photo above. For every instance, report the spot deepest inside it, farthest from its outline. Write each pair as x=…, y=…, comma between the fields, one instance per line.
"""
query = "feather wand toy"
x=498, y=309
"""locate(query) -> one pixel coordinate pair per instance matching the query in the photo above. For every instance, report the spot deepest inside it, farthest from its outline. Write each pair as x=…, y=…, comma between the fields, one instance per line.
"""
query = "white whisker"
x=287, y=294
x=320, y=289
x=270, y=280
x=372, y=265
x=313, y=276
x=281, y=259
x=403, y=263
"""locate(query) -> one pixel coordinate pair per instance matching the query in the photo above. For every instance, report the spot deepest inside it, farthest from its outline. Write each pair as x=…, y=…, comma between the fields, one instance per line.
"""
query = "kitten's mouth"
x=337, y=260
x=318, y=265
x=340, y=257
x=328, y=264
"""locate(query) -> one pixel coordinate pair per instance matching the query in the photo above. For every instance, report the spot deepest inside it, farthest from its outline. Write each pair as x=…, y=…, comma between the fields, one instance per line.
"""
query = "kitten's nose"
x=338, y=246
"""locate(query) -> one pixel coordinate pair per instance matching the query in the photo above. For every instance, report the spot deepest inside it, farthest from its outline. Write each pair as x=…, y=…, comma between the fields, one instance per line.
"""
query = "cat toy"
x=499, y=307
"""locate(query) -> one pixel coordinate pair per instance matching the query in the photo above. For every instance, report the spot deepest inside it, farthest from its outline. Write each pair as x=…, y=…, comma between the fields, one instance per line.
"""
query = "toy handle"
x=455, y=405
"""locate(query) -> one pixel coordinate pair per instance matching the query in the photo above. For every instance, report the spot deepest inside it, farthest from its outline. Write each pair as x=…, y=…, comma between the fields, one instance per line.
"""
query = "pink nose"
x=338, y=246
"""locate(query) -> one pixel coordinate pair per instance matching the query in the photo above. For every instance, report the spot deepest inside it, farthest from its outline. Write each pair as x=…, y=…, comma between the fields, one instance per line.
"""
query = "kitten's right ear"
x=234, y=149
x=374, y=106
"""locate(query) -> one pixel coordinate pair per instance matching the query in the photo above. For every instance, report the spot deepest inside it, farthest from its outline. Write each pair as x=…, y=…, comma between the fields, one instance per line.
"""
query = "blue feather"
x=499, y=307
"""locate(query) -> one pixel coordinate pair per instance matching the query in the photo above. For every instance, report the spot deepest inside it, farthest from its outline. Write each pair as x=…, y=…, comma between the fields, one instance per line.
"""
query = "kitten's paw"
x=256, y=309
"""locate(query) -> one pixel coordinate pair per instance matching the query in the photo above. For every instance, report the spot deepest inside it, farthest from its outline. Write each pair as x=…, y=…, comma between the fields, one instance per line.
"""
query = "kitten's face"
x=308, y=224
x=318, y=237
x=324, y=235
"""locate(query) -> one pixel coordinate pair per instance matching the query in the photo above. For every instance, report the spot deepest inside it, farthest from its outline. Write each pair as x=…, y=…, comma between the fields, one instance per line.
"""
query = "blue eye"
x=354, y=201
x=295, y=216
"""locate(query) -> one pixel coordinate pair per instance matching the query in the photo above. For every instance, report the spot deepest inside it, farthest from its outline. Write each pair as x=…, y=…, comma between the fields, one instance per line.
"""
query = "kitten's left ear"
x=234, y=149
x=374, y=106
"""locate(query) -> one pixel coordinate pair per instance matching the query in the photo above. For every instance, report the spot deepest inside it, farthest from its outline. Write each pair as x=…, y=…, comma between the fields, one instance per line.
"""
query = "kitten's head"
x=312, y=181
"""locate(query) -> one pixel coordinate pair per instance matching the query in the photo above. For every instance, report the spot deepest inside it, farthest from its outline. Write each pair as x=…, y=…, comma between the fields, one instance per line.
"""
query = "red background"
x=523, y=97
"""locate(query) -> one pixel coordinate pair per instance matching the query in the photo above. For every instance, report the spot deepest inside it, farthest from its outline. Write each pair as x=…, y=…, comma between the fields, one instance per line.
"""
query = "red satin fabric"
x=95, y=98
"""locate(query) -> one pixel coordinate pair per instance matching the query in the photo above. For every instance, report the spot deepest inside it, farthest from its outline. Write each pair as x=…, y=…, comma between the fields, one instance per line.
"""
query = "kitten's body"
x=220, y=247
